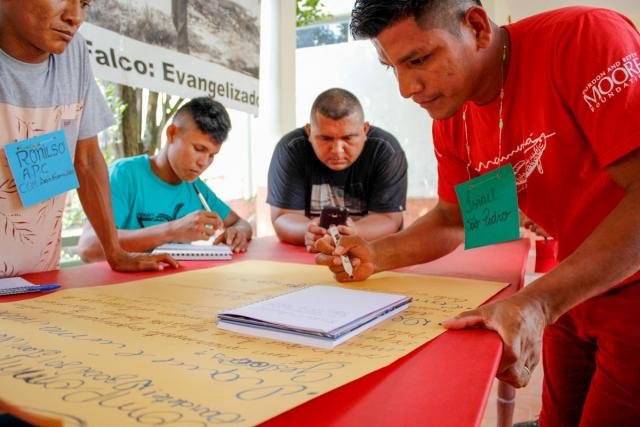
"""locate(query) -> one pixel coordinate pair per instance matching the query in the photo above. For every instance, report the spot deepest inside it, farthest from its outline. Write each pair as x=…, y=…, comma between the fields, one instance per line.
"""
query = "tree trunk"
x=150, y=140
x=131, y=125
x=155, y=125
x=180, y=21
x=168, y=111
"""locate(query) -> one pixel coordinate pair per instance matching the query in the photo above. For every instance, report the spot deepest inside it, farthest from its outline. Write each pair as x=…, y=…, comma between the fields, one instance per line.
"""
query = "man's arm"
x=377, y=224
x=141, y=240
x=199, y=225
x=287, y=190
x=432, y=236
x=290, y=225
x=95, y=197
x=609, y=255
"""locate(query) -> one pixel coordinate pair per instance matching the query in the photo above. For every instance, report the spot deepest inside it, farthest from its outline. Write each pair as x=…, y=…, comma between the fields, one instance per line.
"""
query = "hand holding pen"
x=205, y=205
x=198, y=225
x=215, y=222
x=346, y=263
x=341, y=245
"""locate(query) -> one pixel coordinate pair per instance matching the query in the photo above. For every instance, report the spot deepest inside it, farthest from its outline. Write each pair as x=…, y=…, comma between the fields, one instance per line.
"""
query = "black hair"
x=336, y=103
x=370, y=17
x=209, y=116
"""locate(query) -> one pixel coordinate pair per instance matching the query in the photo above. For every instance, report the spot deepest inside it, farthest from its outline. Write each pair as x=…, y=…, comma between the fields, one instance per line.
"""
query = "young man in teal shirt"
x=158, y=199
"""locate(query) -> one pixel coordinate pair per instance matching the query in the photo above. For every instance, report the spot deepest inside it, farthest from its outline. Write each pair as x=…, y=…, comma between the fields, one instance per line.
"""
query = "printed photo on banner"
x=186, y=48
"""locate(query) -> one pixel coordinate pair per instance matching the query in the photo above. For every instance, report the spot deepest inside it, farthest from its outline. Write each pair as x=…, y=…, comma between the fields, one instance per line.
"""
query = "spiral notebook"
x=189, y=251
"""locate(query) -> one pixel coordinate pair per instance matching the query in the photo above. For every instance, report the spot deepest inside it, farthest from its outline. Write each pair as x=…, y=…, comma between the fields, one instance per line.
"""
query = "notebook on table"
x=319, y=316
x=188, y=251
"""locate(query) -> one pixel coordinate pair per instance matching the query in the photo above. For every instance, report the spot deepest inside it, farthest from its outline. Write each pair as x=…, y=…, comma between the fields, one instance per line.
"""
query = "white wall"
x=354, y=66
x=338, y=7
x=277, y=83
x=243, y=162
x=498, y=10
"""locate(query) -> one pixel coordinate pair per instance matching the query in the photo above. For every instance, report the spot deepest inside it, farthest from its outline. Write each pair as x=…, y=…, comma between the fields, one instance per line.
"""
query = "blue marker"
x=13, y=289
x=47, y=287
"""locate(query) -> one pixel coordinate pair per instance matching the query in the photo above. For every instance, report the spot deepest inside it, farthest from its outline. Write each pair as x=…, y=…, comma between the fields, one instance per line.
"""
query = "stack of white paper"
x=320, y=316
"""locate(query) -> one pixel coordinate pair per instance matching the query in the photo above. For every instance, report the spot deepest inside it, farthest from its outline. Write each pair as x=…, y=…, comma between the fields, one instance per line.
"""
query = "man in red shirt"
x=554, y=96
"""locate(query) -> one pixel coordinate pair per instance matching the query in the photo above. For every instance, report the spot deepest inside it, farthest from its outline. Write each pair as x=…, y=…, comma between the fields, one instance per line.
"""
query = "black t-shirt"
x=376, y=181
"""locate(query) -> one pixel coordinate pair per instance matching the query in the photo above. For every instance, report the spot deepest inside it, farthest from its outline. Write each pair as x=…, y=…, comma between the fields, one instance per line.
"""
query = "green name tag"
x=489, y=205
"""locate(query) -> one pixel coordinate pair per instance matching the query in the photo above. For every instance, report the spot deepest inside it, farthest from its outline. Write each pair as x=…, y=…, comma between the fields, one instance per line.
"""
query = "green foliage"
x=111, y=139
x=73, y=214
x=309, y=11
x=110, y=143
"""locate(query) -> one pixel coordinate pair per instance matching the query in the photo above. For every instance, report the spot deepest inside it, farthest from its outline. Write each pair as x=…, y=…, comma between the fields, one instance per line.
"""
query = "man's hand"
x=198, y=225
x=520, y=321
x=359, y=251
x=235, y=237
x=314, y=232
x=135, y=261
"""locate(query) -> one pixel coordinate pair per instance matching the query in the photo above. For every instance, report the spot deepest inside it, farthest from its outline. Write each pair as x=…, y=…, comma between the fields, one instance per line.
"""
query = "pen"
x=201, y=197
x=29, y=289
x=46, y=288
x=346, y=263
x=205, y=205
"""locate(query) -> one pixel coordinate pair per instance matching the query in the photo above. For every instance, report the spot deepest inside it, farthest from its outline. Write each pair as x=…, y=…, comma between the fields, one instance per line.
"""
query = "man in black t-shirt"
x=337, y=160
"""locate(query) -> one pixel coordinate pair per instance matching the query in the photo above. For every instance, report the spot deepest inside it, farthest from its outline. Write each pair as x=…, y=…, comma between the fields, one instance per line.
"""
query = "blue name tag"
x=41, y=167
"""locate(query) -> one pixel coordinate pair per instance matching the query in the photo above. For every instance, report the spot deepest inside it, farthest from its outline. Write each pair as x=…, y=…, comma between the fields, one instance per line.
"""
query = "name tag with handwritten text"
x=489, y=206
x=41, y=167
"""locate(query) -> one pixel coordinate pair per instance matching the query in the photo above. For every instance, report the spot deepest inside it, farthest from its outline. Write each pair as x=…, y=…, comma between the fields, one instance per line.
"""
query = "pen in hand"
x=201, y=197
x=346, y=263
x=204, y=203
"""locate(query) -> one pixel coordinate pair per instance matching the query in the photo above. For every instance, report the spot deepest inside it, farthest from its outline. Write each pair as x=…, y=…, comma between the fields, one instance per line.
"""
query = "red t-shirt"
x=571, y=107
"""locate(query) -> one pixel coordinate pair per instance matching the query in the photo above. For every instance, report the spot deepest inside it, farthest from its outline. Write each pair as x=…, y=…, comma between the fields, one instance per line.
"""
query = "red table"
x=446, y=382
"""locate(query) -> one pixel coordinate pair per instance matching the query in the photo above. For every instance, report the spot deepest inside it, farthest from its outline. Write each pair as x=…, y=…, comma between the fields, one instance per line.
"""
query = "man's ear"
x=307, y=129
x=366, y=127
x=478, y=22
x=172, y=129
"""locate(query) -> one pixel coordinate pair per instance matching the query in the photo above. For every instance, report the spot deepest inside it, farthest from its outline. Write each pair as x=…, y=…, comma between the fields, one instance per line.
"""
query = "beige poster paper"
x=149, y=352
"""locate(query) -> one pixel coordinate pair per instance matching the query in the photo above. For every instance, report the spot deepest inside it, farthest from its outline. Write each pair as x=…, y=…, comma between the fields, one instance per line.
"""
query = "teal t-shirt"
x=141, y=199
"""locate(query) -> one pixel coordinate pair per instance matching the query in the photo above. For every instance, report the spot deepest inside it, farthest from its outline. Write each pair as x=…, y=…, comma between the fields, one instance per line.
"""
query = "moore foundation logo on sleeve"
x=618, y=77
